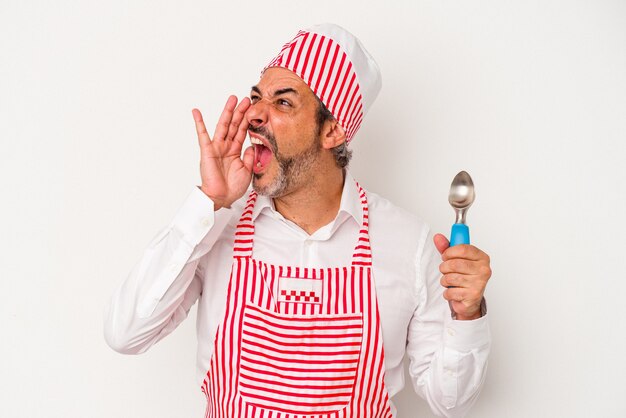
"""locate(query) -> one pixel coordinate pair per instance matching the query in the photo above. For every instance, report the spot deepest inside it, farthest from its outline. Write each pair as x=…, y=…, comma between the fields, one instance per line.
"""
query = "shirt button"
x=172, y=267
x=206, y=222
x=451, y=332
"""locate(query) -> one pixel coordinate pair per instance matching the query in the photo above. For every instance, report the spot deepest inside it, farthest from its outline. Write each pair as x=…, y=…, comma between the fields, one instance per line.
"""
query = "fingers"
x=441, y=242
x=226, y=118
x=466, y=251
x=232, y=125
x=456, y=280
x=470, y=298
x=454, y=294
x=203, y=136
x=238, y=126
x=466, y=271
x=465, y=304
x=248, y=158
x=460, y=266
x=231, y=128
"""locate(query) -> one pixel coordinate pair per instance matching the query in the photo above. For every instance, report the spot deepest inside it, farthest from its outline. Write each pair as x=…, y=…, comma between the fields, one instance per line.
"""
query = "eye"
x=254, y=98
x=283, y=102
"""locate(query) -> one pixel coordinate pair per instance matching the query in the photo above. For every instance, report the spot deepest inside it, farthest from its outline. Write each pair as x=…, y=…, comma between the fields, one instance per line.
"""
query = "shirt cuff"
x=468, y=335
x=195, y=218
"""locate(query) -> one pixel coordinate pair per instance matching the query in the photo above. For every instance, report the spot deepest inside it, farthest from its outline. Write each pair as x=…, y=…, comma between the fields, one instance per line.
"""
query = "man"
x=310, y=290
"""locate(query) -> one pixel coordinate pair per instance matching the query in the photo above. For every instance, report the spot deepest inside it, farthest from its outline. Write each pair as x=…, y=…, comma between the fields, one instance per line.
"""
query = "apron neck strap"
x=244, y=234
x=362, y=255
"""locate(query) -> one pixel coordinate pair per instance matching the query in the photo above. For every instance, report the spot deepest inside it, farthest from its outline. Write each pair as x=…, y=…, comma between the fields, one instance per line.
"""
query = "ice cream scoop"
x=461, y=198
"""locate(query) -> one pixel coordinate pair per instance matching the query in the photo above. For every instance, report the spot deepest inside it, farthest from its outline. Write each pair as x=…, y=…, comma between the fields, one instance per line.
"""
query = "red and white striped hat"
x=336, y=66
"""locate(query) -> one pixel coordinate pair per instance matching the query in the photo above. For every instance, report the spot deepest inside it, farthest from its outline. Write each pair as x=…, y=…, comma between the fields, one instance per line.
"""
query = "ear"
x=332, y=134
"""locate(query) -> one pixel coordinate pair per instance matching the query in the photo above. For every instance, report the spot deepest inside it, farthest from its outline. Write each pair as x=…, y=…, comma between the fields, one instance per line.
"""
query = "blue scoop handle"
x=459, y=235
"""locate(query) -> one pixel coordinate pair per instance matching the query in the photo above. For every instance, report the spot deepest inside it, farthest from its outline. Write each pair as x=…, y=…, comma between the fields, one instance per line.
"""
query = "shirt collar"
x=350, y=203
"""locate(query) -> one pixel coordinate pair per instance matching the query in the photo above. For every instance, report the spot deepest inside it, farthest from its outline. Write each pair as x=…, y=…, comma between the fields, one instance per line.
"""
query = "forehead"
x=278, y=78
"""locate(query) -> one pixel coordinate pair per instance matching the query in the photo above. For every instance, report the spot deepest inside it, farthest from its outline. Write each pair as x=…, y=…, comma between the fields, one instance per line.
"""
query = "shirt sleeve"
x=163, y=286
x=448, y=357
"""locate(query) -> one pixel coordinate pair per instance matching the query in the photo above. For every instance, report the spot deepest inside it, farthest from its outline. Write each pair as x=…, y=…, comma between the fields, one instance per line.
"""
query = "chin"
x=259, y=183
x=264, y=185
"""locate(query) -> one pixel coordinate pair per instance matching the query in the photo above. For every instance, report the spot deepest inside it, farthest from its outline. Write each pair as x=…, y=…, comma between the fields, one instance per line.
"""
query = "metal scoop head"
x=461, y=195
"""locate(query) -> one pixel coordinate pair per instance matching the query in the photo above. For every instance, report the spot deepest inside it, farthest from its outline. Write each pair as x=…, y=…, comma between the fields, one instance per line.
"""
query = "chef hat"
x=336, y=66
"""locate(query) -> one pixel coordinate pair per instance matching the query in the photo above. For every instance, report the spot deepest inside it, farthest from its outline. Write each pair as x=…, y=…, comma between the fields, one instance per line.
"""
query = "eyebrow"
x=285, y=91
x=278, y=92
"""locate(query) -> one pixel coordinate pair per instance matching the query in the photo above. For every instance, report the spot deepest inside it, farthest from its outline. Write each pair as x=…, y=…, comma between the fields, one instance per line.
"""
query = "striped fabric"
x=281, y=359
x=299, y=364
x=322, y=64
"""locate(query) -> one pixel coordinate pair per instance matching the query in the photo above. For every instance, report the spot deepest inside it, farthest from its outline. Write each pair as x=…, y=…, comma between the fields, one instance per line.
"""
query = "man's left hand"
x=466, y=272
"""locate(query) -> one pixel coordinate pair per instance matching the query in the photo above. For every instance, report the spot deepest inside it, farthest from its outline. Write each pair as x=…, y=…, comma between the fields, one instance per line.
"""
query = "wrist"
x=472, y=313
x=460, y=317
x=217, y=203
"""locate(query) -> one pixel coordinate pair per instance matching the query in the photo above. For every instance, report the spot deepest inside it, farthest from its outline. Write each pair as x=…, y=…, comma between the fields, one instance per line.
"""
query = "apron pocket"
x=299, y=364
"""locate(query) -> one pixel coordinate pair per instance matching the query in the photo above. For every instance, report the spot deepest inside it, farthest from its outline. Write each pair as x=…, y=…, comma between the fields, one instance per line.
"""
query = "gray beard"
x=292, y=171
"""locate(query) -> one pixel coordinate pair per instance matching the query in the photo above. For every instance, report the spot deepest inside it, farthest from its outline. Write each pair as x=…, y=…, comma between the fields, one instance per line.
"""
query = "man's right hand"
x=225, y=174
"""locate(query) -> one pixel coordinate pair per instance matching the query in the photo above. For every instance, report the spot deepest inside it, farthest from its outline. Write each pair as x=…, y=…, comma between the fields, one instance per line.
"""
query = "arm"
x=162, y=287
x=448, y=357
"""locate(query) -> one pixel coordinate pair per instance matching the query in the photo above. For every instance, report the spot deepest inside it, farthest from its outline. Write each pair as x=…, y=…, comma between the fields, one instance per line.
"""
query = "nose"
x=257, y=113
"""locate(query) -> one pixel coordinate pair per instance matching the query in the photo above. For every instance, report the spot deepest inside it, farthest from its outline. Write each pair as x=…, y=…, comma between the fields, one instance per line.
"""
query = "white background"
x=99, y=150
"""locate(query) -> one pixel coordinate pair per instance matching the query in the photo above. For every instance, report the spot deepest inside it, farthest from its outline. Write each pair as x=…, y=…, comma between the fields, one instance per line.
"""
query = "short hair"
x=341, y=152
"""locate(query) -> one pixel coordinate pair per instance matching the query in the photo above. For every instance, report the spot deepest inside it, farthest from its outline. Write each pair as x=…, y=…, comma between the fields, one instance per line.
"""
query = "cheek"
x=293, y=134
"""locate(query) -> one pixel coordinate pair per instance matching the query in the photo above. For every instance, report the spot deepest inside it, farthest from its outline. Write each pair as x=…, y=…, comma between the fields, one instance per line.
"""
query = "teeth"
x=256, y=141
x=258, y=164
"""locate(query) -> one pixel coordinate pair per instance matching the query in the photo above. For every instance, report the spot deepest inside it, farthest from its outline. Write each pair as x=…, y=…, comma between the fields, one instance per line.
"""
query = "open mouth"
x=262, y=153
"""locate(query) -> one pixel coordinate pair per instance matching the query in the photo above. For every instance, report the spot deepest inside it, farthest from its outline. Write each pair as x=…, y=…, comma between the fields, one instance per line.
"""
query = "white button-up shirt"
x=190, y=260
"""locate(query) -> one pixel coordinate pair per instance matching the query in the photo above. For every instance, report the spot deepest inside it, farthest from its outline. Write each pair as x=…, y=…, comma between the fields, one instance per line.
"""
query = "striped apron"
x=298, y=342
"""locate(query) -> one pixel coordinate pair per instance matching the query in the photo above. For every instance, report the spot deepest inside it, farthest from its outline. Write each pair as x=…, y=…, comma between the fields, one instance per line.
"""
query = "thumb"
x=248, y=158
x=441, y=242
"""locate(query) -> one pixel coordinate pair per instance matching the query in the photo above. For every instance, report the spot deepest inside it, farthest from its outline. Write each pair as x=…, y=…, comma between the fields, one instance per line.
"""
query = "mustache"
x=265, y=133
